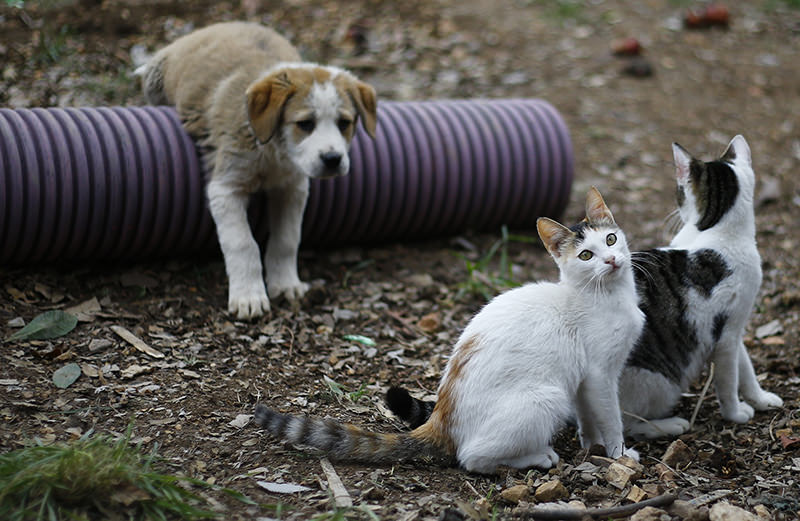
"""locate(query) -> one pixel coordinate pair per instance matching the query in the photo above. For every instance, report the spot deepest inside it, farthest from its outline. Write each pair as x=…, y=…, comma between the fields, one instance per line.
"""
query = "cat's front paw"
x=766, y=400
x=743, y=414
x=631, y=453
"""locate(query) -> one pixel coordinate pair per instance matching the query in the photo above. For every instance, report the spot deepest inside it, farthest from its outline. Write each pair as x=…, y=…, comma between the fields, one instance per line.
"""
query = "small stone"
x=762, y=512
x=619, y=475
x=631, y=464
x=636, y=494
x=665, y=474
x=688, y=512
x=16, y=322
x=677, y=454
x=650, y=514
x=724, y=511
x=769, y=329
x=596, y=493
x=515, y=494
x=653, y=489
x=601, y=461
x=551, y=491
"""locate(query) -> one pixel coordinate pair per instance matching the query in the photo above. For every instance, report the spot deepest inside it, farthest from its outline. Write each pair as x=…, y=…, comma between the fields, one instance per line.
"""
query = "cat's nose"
x=612, y=261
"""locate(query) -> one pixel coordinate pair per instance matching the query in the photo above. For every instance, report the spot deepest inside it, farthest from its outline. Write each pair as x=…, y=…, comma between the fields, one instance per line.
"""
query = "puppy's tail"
x=348, y=442
x=411, y=410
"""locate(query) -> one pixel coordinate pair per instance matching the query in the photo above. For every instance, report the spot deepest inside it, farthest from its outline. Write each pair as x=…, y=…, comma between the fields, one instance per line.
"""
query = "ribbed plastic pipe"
x=126, y=182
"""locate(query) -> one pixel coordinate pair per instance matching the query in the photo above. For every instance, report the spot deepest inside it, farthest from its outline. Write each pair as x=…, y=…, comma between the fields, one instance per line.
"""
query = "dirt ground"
x=705, y=86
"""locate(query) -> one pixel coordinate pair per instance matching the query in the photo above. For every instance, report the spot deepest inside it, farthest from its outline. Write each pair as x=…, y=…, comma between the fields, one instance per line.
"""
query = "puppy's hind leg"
x=246, y=295
x=286, y=207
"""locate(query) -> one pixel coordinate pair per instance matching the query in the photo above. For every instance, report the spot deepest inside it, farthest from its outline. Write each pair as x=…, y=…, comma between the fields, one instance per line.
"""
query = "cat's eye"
x=611, y=239
x=306, y=125
x=585, y=255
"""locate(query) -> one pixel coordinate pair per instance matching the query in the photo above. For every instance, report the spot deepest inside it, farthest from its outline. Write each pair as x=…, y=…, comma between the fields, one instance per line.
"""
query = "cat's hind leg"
x=517, y=433
x=749, y=386
x=542, y=460
x=659, y=428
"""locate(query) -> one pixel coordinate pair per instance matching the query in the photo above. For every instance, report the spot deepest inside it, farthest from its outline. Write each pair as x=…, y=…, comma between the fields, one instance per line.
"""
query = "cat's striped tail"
x=348, y=442
x=411, y=410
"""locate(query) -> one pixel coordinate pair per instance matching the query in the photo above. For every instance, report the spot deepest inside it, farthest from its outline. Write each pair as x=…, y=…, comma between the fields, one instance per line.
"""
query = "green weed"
x=340, y=391
x=91, y=478
x=492, y=272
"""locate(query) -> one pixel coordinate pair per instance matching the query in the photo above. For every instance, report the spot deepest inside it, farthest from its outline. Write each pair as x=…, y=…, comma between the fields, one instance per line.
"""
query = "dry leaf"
x=136, y=342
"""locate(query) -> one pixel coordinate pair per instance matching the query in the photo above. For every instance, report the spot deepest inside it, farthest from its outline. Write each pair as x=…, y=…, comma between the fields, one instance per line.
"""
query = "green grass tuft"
x=482, y=279
x=91, y=478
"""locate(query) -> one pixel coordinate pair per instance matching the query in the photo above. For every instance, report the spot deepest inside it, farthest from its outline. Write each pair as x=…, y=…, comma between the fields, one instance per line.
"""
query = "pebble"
x=724, y=511
x=551, y=491
x=650, y=514
x=677, y=454
x=515, y=494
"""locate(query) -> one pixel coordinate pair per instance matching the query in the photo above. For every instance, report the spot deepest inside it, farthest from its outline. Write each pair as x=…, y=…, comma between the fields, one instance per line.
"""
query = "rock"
x=769, y=329
x=762, y=512
x=650, y=514
x=430, y=323
x=688, y=512
x=619, y=475
x=636, y=494
x=677, y=455
x=665, y=474
x=631, y=464
x=515, y=494
x=596, y=493
x=724, y=511
x=551, y=491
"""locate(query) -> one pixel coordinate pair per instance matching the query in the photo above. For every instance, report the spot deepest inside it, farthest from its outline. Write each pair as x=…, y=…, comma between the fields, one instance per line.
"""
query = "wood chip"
x=136, y=342
x=340, y=496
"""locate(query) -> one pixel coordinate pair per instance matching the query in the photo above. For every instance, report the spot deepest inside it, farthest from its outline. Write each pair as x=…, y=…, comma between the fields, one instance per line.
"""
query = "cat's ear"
x=683, y=161
x=737, y=148
x=553, y=235
x=596, y=210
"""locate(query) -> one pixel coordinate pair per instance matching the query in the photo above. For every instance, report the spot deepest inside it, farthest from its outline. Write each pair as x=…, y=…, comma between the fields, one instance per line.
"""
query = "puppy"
x=264, y=120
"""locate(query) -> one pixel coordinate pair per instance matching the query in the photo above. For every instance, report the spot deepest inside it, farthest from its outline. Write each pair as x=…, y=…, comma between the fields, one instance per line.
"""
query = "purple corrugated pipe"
x=126, y=183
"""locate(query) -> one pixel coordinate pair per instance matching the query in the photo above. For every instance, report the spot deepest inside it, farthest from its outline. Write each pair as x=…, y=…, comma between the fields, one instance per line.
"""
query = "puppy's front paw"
x=248, y=305
x=766, y=400
x=291, y=292
x=741, y=415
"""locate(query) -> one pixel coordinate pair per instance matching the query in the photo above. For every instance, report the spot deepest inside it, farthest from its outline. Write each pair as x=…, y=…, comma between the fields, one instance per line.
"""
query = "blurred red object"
x=709, y=16
x=626, y=47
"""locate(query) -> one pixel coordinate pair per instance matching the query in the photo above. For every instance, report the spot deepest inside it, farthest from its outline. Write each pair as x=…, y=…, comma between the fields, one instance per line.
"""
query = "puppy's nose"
x=331, y=160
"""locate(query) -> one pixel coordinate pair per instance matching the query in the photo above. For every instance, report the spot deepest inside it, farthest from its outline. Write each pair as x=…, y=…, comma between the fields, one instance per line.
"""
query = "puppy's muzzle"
x=331, y=164
x=331, y=160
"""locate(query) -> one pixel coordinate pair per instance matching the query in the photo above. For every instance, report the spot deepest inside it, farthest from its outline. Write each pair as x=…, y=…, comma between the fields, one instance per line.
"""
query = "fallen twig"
x=567, y=514
x=341, y=498
x=702, y=395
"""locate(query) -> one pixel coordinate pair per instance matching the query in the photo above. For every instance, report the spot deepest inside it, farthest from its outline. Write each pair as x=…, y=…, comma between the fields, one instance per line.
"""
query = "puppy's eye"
x=611, y=239
x=343, y=124
x=306, y=125
x=585, y=255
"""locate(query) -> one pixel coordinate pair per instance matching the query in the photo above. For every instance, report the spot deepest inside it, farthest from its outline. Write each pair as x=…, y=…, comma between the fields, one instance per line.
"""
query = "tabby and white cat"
x=522, y=365
x=697, y=295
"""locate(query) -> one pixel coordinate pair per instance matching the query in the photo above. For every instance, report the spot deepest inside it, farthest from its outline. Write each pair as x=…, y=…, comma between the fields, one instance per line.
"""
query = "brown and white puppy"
x=265, y=121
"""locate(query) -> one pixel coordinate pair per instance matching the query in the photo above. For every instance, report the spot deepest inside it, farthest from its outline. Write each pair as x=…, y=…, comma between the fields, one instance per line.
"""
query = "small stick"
x=702, y=395
x=568, y=514
x=340, y=496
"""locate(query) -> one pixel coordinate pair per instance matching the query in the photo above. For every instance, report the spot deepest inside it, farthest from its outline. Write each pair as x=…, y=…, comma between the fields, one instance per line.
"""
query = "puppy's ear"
x=365, y=100
x=265, y=101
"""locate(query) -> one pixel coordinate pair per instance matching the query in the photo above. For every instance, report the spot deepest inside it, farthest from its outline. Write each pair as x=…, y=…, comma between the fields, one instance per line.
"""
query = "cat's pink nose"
x=612, y=262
